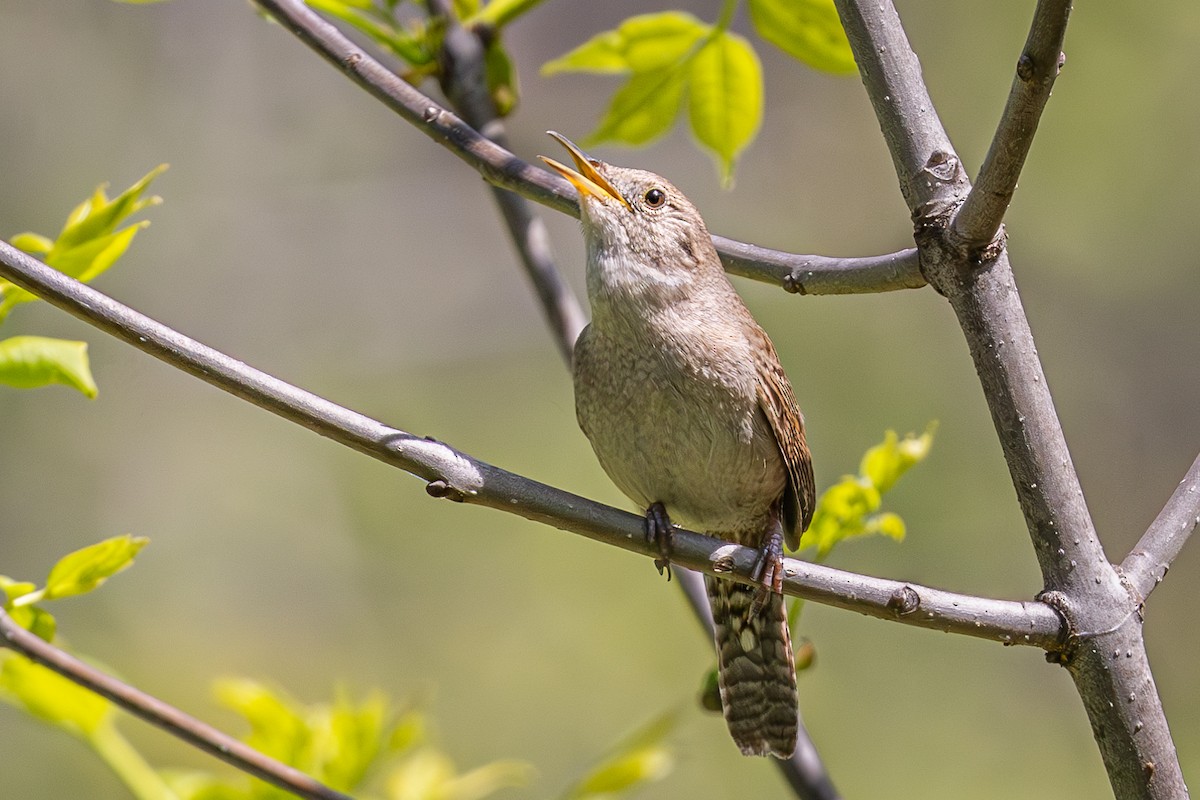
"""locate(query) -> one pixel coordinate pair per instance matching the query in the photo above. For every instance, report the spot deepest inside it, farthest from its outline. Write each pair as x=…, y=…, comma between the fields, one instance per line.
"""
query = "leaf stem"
x=129, y=765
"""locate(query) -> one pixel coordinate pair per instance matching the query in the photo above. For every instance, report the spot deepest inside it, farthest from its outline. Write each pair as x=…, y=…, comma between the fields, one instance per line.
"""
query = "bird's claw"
x=659, y=531
x=768, y=570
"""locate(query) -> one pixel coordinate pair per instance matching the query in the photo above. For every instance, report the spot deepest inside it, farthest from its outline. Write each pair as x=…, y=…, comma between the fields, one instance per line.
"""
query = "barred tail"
x=757, y=674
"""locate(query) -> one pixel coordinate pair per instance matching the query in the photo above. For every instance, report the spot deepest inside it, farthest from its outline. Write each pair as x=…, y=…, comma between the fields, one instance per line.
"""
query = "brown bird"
x=685, y=403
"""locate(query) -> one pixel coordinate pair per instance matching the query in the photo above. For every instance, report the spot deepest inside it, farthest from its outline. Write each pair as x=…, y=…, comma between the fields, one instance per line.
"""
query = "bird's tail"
x=756, y=670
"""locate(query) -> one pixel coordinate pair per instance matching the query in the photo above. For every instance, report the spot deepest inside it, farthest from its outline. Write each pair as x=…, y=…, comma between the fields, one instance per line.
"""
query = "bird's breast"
x=671, y=409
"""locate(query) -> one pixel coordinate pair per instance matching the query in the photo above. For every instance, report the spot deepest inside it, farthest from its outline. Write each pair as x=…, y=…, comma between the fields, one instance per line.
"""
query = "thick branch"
x=981, y=214
x=1149, y=561
x=1119, y=694
x=165, y=716
x=460, y=477
x=502, y=168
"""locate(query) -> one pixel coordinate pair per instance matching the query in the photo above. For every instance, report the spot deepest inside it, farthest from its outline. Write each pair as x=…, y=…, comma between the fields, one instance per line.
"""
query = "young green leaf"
x=51, y=697
x=498, y=13
x=277, y=723
x=501, y=76
x=89, y=567
x=13, y=589
x=99, y=216
x=31, y=361
x=35, y=620
x=805, y=29
x=413, y=47
x=725, y=98
x=89, y=242
x=642, y=110
x=638, y=759
x=348, y=738
x=645, y=43
x=33, y=243
x=886, y=462
x=848, y=508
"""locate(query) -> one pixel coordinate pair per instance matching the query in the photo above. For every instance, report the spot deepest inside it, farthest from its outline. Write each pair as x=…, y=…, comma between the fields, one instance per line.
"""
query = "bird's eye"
x=655, y=198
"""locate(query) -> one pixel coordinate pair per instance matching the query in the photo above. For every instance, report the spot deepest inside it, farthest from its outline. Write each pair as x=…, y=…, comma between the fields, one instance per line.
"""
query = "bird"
x=686, y=405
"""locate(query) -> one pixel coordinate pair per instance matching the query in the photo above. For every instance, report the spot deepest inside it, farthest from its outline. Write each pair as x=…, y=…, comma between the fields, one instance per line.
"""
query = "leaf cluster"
x=90, y=242
x=673, y=57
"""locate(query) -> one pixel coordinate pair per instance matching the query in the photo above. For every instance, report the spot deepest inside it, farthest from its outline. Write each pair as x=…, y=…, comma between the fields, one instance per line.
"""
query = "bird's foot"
x=768, y=570
x=659, y=531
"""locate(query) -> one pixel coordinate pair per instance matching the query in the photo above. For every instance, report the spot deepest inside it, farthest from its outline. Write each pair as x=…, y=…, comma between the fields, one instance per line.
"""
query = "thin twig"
x=1105, y=652
x=163, y=715
x=1149, y=561
x=464, y=83
x=502, y=168
x=978, y=221
x=457, y=476
x=823, y=274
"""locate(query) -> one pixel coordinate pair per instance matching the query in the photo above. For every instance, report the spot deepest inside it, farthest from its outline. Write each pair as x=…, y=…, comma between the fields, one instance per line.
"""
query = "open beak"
x=588, y=180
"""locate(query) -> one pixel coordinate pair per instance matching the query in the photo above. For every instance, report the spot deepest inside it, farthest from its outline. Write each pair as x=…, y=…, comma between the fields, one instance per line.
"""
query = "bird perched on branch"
x=685, y=403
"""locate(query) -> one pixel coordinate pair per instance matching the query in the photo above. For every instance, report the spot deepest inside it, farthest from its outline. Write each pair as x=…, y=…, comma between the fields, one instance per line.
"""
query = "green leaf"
x=841, y=514
x=27, y=362
x=847, y=509
x=725, y=98
x=710, y=691
x=89, y=567
x=412, y=47
x=640, y=758
x=409, y=731
x=428, y=774
x=89, y=242
x=13, y=589
x=277, y=723
x=32, y=243
x=348, y=738
x=499, y=13
x=645, y=43
x=92, y=257
x=98, y=216
x=501, y=76
x=51, y=697
x=886, y=524
x=884, y=463
x=641, y=110
x=35, y=620
x=805, y=29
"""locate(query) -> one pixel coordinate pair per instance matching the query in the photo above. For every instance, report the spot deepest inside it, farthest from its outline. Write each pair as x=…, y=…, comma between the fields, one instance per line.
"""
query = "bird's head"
x=638, y=226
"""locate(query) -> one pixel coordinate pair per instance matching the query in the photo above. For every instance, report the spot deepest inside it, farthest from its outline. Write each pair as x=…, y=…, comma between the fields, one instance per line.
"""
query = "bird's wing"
x=778, y=402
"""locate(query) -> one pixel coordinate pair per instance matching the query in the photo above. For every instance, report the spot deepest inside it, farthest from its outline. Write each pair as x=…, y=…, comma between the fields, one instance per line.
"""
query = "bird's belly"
x=700, y=447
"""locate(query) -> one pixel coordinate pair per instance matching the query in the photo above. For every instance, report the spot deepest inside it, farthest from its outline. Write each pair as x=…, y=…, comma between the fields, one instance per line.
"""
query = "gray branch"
x=1105, y=652
x=457, y=476
x=163, y=715
x=979, y=219
x=1148, y=562
x=498, y=166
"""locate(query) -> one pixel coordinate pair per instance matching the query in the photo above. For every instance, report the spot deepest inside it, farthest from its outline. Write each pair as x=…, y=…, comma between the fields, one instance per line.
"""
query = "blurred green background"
x=311, y=233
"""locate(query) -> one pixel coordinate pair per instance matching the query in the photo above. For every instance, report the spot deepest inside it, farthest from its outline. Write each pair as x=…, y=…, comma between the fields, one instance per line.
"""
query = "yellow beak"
x=588, y=180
